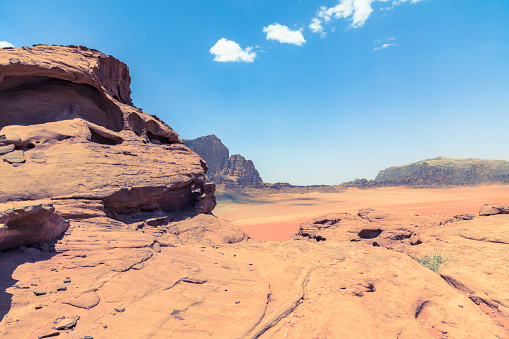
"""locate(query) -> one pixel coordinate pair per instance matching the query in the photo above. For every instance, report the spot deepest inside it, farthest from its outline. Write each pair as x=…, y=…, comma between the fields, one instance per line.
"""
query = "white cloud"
x=316, y=26
x=284, y=34
x=358, y=10
x=230, y=51
x=355, y=11
x=5, y=44
x=384, y=46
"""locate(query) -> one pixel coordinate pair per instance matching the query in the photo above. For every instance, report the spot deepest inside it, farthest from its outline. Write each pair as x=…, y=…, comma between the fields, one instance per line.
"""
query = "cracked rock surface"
x=169, y=286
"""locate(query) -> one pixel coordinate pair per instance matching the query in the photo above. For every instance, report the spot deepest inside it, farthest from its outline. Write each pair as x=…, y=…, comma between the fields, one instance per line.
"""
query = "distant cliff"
x=439, y=172
x=459, y=166
x=232, y=170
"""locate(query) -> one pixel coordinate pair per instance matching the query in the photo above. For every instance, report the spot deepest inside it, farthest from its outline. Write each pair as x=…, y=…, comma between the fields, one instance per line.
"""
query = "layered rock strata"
x=160, y=279
x=69, y=130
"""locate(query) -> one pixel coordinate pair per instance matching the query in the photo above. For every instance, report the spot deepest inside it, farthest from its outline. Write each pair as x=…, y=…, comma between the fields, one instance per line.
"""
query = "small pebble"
x=39, y=292
x=120, y=309
x=67, y=280
x=38, y=307
x=62, y=288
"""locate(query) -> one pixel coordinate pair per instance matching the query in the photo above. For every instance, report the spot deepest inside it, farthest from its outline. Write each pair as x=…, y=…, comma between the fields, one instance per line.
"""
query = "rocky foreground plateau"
x=107, y=231
x=342, y=276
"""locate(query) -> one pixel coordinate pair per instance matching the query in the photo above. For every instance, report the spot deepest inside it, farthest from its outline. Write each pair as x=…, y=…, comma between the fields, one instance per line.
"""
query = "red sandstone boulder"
x=29, y=224
x=492, y=209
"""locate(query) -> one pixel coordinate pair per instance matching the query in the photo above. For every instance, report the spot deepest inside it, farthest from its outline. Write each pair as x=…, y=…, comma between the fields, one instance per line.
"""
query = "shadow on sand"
x=9, y=261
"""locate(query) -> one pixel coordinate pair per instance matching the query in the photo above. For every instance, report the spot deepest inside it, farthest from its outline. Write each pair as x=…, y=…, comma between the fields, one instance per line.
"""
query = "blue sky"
x=382, y=83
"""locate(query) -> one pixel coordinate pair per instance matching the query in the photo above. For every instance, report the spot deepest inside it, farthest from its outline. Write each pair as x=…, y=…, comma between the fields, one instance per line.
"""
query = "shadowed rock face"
x=212, y=150
x=29, y=224
x=37, y=100
x=69, y=130
x=232, y=170
x=241, y=172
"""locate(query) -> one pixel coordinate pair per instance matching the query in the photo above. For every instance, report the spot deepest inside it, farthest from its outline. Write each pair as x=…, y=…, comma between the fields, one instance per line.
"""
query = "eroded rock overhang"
x=68, y=128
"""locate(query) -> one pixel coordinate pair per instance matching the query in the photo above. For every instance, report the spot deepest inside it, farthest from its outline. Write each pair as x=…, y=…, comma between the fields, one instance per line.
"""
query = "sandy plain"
x=277, y=217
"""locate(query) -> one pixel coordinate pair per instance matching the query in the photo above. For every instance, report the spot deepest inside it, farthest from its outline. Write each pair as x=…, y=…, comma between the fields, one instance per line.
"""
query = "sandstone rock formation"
x=497, y=166
x=241, y=172
x=439, y=172
x=492, y=209
x=233, y=171
x=69, y=131
x=213, y=151
x=458, y=171
x=29, y=224
x=149, y=282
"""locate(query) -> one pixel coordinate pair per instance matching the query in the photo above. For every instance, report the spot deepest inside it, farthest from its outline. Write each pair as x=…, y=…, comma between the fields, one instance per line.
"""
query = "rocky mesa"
x=439, y=172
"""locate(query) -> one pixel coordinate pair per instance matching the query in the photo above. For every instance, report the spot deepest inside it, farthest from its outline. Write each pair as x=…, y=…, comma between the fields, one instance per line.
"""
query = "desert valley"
x=112, y=226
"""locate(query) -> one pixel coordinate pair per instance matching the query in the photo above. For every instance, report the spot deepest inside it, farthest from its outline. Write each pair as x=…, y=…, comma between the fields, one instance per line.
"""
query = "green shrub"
x=432, y=261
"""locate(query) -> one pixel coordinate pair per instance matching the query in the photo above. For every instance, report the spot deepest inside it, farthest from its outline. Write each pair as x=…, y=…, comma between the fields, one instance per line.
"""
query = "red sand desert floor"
x=278, y=216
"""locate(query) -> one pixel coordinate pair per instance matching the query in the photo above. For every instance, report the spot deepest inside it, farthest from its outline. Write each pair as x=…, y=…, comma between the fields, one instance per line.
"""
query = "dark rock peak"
x=232, y=170
x=212, y=150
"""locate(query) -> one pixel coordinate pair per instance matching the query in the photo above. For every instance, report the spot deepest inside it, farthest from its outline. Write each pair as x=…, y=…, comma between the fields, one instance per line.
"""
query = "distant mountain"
x=224, y=169
x=440, y=171
x=496, y=166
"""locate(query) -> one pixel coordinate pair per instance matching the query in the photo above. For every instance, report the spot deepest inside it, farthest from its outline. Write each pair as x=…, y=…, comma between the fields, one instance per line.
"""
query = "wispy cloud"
x=357, y=12
x=284, y=35
x=398, y=2
x=387, y=42
x=230, y=51
x=384, y=46
x=5, y=44
x=395, y=3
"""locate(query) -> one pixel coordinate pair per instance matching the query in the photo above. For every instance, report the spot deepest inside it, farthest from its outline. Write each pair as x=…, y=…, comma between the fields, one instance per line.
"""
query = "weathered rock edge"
x=30, y=224
x=69, y=131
